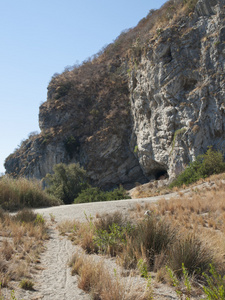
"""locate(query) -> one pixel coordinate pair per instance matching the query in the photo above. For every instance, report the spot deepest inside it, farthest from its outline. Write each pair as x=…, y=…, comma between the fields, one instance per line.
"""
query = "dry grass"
x=21, y=242
x=188, y=229
x=102, y=284
x=83, y=233
x=160, y=187
x=16, y=194
x=199, y=217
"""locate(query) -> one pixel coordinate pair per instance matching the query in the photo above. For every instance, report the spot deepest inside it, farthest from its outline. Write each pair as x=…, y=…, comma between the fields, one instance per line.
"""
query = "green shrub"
x=94, y=194
x=111, y=242
x=211, y=162
x=19, y=193
x=39, y=220
x=66, y=182
x=215, y=288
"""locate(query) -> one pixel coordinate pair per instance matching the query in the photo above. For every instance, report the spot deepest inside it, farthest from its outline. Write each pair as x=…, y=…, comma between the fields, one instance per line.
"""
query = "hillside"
x=143, y=107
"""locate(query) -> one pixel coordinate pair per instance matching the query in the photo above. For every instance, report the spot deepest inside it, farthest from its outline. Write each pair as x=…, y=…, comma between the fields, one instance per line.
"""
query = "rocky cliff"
x=143, y=107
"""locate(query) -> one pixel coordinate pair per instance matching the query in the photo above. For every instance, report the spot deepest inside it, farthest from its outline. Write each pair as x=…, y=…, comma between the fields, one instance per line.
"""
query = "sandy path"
x=55, y=281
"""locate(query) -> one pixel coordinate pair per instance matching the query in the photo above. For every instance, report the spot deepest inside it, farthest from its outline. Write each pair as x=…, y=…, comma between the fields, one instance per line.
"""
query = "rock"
x=139, y=115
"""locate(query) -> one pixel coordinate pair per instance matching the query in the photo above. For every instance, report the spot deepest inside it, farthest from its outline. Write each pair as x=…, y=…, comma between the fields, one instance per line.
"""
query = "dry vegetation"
x=19, y=193
x=21, y=243
x=96, y=279
x=187, y=230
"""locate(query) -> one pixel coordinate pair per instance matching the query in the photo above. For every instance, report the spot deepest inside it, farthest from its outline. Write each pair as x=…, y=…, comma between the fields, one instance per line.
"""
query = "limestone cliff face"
x=136, y=115
x=177, y=92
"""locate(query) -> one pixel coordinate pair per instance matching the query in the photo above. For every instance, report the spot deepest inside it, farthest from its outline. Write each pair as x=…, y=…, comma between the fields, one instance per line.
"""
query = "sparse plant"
x=215, y=288
x=27, y=284
x=39, y=220
x=142, y=267
x=136, y=149
x=52, y=217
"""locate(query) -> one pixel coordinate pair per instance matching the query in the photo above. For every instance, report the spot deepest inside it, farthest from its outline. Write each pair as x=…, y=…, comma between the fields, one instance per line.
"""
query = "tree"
x=66, y=182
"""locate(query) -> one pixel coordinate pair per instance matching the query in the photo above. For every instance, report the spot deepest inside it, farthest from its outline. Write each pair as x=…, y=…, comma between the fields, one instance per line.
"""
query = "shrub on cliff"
x=94, y=194
x=19, y=193
x=66, y=182
x=207, y=164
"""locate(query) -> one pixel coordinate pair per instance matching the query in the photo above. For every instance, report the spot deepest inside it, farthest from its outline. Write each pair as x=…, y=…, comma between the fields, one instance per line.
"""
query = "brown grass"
x=18, y=193
x=188, y=229
x=102, y=284
x=21, y=242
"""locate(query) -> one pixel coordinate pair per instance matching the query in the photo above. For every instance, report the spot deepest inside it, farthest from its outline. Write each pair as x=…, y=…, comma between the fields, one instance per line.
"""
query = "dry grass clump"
x=105, y=234
x=21, y=242
x=95, y=279
x=19, y=193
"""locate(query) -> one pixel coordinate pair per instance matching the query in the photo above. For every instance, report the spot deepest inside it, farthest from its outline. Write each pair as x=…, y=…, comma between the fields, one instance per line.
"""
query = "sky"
x=41, y=37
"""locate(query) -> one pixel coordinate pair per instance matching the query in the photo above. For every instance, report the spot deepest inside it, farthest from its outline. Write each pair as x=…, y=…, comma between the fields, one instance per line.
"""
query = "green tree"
x=66, y=182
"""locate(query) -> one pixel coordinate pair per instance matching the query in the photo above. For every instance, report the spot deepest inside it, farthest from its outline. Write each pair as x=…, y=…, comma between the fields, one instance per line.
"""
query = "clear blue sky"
x=41, y=37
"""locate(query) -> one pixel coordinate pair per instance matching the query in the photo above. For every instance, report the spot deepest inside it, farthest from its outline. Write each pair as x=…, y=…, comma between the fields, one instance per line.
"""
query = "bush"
x=94, y=194
x=66, y=182
x=106, y=220
x=26, y=216
x=211, y=162
x=19, y=193
x=150, y=240
x=113, y=240
x=191, y=252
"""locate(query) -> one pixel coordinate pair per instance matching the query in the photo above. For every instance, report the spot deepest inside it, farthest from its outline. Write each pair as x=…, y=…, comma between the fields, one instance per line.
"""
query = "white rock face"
x=178, y=92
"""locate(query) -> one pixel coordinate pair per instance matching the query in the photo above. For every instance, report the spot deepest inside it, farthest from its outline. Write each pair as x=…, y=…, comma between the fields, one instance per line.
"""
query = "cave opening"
x=161, y=174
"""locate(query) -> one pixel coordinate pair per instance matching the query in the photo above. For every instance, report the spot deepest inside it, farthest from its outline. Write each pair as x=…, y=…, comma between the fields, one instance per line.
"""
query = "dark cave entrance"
x=161, y=174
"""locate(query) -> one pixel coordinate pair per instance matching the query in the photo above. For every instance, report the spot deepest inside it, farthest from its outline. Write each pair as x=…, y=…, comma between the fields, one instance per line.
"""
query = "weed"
x=175, y=282
x=39, y=220
x=136, y=149
x=142, y=267
x=111, y=241
x=52, y=217
x=177, y=133
x=215, y=288
x=27, y=284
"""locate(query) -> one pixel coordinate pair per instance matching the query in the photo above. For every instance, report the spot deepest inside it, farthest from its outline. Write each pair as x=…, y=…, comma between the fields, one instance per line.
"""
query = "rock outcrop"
x=137, y=112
